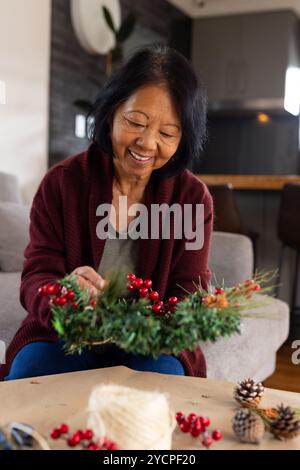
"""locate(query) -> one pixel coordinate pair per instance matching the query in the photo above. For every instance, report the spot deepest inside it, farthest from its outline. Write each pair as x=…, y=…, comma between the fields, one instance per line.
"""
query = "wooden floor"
x=287, y=374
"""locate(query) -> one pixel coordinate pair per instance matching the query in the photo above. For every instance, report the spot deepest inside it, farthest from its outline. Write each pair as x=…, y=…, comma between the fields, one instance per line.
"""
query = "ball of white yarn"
x=132, y=418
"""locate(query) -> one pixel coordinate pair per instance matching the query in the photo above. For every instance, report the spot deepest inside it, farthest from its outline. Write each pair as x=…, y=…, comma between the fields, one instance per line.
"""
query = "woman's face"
x=146, y=131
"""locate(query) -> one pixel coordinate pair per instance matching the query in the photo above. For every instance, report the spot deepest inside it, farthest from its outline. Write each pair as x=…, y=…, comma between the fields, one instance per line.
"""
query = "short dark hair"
x=156, y=64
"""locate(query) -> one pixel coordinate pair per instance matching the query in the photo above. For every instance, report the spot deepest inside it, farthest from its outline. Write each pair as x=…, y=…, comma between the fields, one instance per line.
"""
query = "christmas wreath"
x=142, y=323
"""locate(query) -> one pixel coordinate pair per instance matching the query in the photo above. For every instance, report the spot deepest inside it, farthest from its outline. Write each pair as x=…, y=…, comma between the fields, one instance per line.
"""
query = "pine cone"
x=249, y=393
x=248, y=426
x=286, y=425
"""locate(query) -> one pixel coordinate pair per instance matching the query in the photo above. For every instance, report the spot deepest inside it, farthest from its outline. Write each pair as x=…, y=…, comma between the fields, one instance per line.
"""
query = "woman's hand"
x=88, y=278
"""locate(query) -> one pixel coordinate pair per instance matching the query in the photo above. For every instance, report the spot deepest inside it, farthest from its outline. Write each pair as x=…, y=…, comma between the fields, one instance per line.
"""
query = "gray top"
x=119, y=252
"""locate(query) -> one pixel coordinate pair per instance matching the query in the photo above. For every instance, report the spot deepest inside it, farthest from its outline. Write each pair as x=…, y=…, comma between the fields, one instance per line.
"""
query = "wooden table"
x=48, y=401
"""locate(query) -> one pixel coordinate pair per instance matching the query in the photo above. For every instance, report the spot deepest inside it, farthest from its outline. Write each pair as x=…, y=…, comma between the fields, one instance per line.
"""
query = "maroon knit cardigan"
x=63, y=236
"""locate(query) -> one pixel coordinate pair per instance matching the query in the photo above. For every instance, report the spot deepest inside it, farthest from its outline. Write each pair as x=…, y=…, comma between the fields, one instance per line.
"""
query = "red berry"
x=111, y=445
x=57, y=289
x=93, y=446
x=198, y=425
x=130, y=287
x=70, y=295
x=219, y=290
x=207, y=441
x=143, y=292
x=60, y=301
x=55, y=433
x=192, y=417
x=205, y=421
x=74, y=305
x=93, y=302
x=74, y=440
x=53, y=289
x=195, y=432
x=179, y=416
x=173, y=300
x=257, y=287
x=87, y=434
x=64, y=428
x=48, y=289
x=148, y=283
x=130, y=277
x=156, y=308
x=185, y=426
x=216, y=435
x=137, y=283
x=154, y=295
x=78, y=435
x=43, y=290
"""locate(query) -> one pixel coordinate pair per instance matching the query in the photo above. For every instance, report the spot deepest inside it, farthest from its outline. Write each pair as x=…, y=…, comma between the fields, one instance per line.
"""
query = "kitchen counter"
x=251, y=182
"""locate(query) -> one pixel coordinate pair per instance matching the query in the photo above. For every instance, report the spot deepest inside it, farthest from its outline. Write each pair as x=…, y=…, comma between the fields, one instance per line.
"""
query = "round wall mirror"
x=90, y=26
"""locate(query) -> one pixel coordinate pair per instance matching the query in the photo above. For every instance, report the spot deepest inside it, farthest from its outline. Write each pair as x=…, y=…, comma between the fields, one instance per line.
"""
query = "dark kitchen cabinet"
x=265, y=54
x=243, y=59
x=216, y=54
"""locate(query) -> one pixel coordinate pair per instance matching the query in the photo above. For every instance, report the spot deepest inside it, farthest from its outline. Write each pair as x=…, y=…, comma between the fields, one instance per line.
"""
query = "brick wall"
x=73, y=71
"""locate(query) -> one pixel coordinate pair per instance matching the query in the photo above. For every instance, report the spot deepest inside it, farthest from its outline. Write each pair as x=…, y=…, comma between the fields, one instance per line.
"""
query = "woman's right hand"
x=88, y=278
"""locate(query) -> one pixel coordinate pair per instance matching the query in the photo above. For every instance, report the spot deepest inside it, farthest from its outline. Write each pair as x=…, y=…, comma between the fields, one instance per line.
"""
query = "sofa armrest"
x=11, y=311
x=9, y=188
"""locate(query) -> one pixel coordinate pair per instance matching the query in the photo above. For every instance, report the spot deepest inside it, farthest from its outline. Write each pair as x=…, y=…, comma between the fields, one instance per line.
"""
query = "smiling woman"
x=149, y=125
x=156, y=94
x=145, y=132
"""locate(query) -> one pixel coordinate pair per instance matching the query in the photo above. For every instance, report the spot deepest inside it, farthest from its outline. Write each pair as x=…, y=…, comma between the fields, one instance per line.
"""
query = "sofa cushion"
x=14, y=235
x=231, y=258
x=253, y=352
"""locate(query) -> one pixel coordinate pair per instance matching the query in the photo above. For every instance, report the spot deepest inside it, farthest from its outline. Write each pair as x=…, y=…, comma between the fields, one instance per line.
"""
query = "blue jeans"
x=45, y=358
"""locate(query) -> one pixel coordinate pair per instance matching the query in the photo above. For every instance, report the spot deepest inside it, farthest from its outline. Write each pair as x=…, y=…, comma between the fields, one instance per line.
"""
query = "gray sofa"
x=252, y=353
